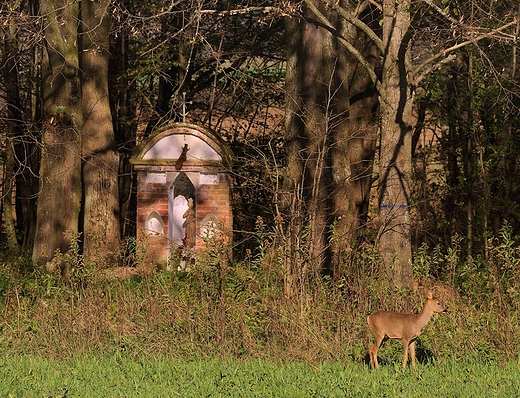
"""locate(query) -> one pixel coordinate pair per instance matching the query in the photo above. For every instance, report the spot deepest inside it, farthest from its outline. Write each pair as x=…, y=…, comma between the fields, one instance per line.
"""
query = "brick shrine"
x=183, y=192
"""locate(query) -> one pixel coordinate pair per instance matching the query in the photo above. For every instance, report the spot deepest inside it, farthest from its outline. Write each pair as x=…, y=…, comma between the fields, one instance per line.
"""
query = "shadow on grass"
x=423, y=355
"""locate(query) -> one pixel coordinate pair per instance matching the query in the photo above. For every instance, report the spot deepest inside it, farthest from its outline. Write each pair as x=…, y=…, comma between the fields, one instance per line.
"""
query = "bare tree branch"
x=442, y=12
x=240, y=11
x=432, y=67
x=357, y=23
x=444, y=52
x=350, y=48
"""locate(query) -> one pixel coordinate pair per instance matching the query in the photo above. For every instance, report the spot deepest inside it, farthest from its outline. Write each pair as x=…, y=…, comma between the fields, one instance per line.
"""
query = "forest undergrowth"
x=227, y=309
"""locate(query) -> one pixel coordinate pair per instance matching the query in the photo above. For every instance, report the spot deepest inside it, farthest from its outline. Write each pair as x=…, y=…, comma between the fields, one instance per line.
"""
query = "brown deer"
x=406, y=327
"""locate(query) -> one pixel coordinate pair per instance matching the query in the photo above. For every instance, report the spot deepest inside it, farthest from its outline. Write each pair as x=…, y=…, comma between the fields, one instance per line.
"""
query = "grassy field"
x=119, y=375
x=229, y=329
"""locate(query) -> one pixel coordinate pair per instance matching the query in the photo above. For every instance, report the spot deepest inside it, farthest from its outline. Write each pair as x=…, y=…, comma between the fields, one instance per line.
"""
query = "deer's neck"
x=424, y=317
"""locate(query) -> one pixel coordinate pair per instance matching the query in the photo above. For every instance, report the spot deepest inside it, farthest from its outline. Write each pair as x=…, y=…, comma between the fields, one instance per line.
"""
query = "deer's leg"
x=372, y=352
x=405, y=352
x=412, y=353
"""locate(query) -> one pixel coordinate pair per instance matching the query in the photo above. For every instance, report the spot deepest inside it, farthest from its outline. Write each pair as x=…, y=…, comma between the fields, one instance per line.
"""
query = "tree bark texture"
x=60, y=179
x=308, y=80
x=100, y=159
x=395, y=152
x=330, y=132
x=354, y=130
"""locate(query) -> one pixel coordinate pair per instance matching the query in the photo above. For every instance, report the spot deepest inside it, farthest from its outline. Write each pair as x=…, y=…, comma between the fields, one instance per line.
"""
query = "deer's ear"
x=429, y=295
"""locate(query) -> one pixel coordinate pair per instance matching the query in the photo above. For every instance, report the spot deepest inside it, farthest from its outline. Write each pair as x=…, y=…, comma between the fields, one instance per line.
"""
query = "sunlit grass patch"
x=120, y=375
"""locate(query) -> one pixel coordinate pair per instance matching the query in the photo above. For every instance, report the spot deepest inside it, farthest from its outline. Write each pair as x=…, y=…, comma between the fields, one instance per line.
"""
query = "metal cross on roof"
x=184, y=103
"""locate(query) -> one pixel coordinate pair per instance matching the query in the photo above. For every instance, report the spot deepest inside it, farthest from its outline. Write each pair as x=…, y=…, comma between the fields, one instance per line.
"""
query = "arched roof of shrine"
x=165, y=145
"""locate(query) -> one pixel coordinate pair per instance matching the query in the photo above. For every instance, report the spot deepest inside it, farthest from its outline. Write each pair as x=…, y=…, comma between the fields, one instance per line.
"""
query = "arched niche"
x=181, y=190
x=209, y=227
x=154, y=224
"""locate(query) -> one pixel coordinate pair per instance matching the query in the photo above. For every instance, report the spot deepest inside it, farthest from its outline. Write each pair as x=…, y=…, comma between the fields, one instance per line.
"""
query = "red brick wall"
x=210, y=199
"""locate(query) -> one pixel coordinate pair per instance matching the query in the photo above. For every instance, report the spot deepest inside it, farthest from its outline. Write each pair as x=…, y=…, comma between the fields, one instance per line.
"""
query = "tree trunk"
x=330, y=132
x=27, y=182
x=13, y=119
x=100, y=159
x=124, y=108
x=355, y=130
x=395, y=156
x=308, y=80
x=60, y=182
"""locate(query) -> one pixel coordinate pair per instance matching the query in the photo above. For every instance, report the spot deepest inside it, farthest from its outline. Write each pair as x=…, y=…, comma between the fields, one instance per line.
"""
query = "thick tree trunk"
x=100, y=159
x=330, y=132
x=308, y=81
x=60, y=182
x=355, y=132
x=395, y=157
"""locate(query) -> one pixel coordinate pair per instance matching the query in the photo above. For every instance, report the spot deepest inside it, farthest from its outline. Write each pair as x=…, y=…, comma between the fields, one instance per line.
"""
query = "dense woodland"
x=379, y=130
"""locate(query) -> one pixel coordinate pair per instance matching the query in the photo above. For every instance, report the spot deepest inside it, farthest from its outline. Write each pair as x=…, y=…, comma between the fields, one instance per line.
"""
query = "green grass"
x=165, y=334
x=120, y=375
